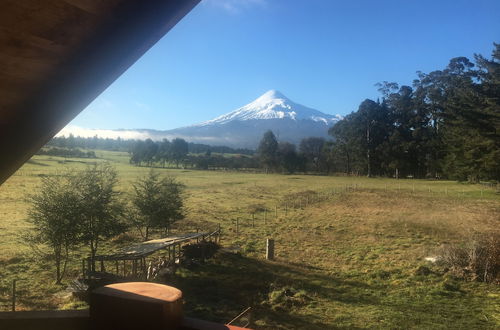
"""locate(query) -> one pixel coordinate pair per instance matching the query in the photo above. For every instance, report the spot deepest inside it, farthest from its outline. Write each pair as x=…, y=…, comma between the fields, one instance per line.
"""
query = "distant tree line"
x=65, y=152
x=446, y=125
x=178, y=152
x=95, y=142
x=120, y=144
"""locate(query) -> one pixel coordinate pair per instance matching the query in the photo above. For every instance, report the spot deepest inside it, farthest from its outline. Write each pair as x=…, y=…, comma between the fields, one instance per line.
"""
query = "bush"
x=477, y=260
x=200, y=251
x=281, y=298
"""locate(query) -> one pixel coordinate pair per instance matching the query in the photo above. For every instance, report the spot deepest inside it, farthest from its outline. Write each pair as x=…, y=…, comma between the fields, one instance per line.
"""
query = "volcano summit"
x=245, y=126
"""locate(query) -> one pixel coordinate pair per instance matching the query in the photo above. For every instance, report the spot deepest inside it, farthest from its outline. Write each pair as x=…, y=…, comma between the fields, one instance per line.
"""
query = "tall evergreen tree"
x=267, y=151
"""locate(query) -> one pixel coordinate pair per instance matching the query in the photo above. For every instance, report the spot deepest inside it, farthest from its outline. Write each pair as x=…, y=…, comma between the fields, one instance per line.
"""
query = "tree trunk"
x=57, y=260
x=93, y=251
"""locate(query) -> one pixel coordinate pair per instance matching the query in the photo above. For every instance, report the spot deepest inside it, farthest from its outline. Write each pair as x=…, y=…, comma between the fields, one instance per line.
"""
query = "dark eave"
x=57, y=56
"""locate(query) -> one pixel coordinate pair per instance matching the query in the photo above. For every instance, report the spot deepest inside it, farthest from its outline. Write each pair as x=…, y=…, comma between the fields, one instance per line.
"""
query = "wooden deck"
x=131, y=261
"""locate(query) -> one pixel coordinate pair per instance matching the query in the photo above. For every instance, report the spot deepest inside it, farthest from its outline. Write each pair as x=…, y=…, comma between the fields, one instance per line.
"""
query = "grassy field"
x=348, y=250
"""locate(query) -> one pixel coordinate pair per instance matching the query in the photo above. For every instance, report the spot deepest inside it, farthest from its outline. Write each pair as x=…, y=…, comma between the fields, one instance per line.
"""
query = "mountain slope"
x=241, y=128
x=272, y=105
x=245, y=126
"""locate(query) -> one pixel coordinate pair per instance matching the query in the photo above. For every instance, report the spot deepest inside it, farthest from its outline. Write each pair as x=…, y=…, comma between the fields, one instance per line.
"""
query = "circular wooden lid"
x=145, y=291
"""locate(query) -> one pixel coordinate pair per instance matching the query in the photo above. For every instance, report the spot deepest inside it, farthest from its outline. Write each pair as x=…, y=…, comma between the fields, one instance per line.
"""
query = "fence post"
x=276, y=211
x=269, y=249
x=13, y=295
x=219, y=235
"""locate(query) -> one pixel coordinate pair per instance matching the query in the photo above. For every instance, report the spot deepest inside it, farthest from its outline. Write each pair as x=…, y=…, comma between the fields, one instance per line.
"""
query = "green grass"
x=347, y=248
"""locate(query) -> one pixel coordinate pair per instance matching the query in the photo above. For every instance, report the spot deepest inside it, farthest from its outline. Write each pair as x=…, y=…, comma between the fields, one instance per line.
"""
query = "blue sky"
x=325, y=54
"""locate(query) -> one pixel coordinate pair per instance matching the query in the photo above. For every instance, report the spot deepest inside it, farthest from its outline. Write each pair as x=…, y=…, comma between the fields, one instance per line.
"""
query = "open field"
x=347, y=248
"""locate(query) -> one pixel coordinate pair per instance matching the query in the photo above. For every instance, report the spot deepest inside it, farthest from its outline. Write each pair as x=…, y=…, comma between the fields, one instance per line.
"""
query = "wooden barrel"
x=136, y=305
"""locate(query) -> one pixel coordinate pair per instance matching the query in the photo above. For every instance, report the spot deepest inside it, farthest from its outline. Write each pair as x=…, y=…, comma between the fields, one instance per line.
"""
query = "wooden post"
x=269, y=249
x=286, y=209
x=13, y=295
x=237, y=226
x=117, y=267
x=134, y=267
x=276, y=211
x=102, y=266
x=265, y=216
x=124, y=268
x=253, y=220
x=83, y=268
x=89, y=267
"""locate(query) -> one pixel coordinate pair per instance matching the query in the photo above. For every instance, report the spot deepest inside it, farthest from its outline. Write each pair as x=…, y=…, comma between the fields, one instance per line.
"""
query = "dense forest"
x=446, y=125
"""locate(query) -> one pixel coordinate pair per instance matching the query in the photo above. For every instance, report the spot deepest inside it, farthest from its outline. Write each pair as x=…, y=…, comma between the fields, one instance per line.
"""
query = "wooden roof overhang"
x=57, y=56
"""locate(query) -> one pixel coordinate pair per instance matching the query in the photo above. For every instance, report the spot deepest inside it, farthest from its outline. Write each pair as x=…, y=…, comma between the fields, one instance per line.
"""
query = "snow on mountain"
x=241, y=128
x=272, y=105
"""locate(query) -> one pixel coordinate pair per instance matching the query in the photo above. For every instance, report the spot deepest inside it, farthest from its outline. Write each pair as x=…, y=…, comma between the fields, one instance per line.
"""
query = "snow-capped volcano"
x=272, y=105
x=243, y=127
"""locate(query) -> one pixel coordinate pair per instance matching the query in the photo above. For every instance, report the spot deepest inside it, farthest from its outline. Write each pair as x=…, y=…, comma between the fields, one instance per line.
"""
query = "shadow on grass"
x=226, y=285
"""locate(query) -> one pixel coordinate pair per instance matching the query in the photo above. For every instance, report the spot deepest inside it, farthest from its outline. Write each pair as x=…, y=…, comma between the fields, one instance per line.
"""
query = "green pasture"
x=349, y=250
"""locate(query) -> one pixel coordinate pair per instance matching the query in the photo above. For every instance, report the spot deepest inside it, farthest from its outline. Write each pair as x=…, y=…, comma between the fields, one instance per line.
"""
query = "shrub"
x=477, y=260
x=200, y=251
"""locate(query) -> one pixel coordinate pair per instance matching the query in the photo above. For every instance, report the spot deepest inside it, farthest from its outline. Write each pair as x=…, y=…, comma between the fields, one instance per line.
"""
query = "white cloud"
x=235, y=6
x=103, y=133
